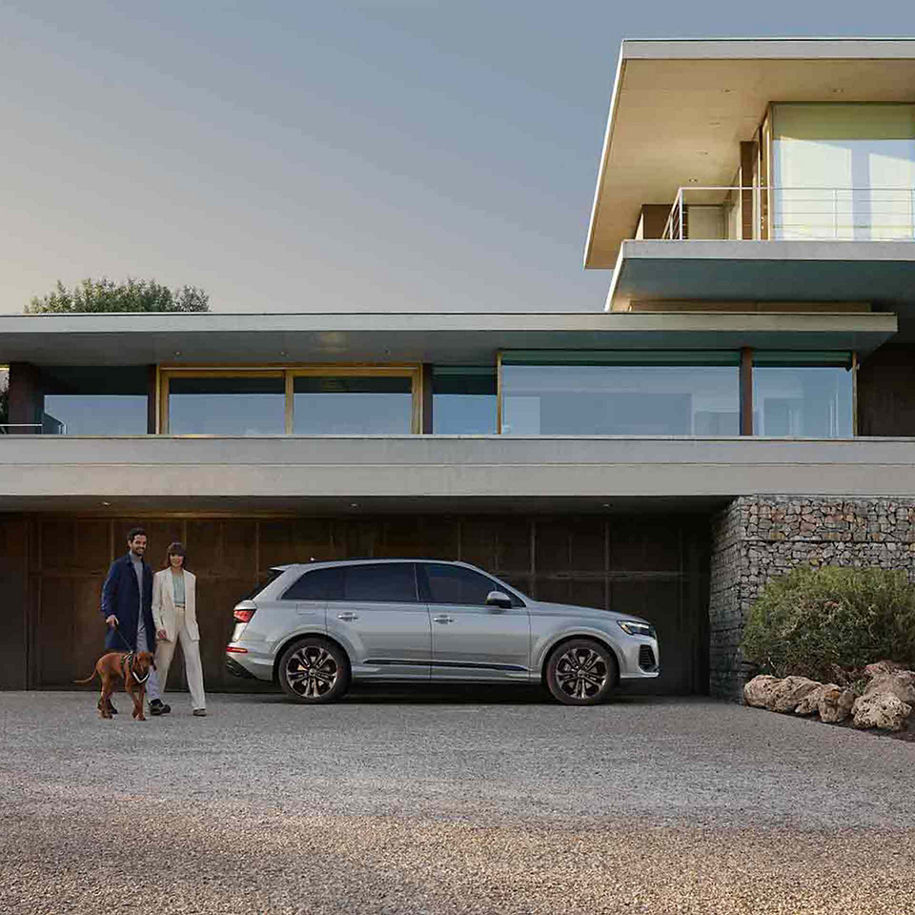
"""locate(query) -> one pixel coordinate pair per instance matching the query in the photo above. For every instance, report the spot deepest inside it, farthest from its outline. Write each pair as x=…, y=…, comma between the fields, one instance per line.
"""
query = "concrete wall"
x=758, y=537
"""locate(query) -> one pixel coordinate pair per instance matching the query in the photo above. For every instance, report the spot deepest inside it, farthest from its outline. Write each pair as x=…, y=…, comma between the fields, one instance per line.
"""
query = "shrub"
x=814, y=622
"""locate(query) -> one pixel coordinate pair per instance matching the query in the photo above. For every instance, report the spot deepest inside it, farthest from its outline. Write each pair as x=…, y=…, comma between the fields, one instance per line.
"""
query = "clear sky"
x=393, y=155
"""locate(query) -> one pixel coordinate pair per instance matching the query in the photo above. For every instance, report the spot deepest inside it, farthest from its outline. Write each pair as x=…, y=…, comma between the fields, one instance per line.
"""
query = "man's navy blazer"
x=121, y=597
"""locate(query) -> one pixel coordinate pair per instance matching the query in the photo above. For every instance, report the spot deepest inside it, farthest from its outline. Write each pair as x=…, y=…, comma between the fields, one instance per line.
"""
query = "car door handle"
x=443, y=619
x=347, y=617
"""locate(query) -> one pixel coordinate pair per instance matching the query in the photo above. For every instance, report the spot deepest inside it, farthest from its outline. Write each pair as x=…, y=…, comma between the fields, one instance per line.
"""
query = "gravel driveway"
x=449, y=803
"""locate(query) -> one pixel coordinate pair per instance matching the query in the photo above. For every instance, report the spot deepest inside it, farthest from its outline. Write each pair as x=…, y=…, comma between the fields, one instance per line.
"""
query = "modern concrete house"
x=745, y=402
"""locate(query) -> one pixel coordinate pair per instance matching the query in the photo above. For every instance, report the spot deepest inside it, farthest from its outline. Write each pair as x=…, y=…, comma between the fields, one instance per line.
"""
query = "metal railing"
x=794, y=213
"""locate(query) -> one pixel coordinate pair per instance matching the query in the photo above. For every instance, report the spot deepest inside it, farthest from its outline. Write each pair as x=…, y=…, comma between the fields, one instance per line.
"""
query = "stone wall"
x=758, y=537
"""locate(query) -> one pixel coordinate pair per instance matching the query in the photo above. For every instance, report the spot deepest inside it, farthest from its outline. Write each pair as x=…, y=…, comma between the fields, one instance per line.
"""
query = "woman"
x=175, y=616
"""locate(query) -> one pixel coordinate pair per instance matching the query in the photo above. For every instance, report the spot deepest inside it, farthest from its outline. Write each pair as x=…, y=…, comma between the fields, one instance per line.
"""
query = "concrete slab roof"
x=456, y=339
x=679, y=110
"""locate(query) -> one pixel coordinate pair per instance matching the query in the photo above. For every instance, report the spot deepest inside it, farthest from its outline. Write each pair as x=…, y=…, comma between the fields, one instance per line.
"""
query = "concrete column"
x=749, y=155
x=151, y=400
x=26, y=400
x=746, y=391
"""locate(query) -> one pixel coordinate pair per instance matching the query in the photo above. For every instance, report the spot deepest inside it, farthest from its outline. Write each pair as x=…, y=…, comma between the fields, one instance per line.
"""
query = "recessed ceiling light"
x=354, y=505
x=177, y=352
x=693, y=180
x=106, y=503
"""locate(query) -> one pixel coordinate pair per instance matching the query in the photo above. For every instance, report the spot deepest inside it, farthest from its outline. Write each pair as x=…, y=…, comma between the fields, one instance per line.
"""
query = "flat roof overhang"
x=680, y=109
x=358, y=474
x=880, y=273
x=456, y=339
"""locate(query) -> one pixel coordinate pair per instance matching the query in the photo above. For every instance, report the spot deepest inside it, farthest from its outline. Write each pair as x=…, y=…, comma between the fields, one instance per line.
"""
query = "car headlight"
x=632, y=627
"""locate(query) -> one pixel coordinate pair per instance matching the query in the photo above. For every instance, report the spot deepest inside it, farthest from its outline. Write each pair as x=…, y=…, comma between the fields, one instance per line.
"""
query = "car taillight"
x=243, y=616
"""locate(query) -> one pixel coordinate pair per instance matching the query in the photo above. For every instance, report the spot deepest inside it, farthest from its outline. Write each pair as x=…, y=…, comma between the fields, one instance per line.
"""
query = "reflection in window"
x=464, y=400
x=357, y=405
x=457, y=585
x=809, y=400
x=844, y=171
x=94, y=401
x=226, y=405
x=622, y=393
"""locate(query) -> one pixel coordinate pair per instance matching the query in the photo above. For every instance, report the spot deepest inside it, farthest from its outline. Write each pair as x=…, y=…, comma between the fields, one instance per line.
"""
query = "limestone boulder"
x=899, y=683
x=787, y=694
x=810, y=704
x=758, y=691
x=881, y=667
x=835, y=704
x=881, y=710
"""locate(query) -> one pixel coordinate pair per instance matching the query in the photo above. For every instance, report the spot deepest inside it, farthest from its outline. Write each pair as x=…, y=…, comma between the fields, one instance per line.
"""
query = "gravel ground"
x=448, y=803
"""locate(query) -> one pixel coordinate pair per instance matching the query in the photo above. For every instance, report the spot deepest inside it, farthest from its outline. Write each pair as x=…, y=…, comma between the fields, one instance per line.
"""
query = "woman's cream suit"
x=178, y=624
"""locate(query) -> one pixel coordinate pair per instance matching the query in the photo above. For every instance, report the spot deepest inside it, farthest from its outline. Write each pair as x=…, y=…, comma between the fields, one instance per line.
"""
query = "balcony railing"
x=793, y=213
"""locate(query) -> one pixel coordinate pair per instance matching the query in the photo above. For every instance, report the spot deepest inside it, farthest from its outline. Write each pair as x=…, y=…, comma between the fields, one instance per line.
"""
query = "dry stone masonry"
x=758, y=537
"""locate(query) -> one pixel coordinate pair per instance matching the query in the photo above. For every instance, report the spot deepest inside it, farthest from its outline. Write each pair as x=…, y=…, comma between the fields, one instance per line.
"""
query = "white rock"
x=899, y=683
x=835, y=703
x=881, y=710
x=759, y=690
x=788, y=693
x=810, y=704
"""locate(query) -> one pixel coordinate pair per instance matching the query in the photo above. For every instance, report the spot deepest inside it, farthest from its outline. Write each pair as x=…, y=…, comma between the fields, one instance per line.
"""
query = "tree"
x=105, y=295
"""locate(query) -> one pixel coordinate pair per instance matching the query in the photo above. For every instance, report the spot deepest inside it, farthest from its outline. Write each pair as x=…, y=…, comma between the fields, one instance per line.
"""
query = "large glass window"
x=95, y=401
x=808, y=395
x=621, y=393
x=445, y=584
x=464, y=400
x=251, y=404
x=844, y=171
x=352, y=404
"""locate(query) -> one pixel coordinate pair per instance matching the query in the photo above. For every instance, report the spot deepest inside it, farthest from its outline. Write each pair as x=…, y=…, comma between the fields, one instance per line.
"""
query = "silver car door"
x=381, y=621
x=470, y=639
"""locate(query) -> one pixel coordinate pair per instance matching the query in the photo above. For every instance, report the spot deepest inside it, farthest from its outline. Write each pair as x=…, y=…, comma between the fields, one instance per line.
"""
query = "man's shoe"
x=158, y=707
x=200, y=713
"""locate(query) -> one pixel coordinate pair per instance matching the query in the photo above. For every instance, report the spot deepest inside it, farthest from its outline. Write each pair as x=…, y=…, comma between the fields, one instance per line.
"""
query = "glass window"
x=357, y=404
x=808, y=397
x=844, y=171
x=464, y=400
x=95, y=401
x=387, y=581
x=457, y=585
x=627, y=393
x=318, y=584
x=226, y=405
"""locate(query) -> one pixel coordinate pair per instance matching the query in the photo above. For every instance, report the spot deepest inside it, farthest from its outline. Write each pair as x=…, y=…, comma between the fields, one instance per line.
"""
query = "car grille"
x=646, y=658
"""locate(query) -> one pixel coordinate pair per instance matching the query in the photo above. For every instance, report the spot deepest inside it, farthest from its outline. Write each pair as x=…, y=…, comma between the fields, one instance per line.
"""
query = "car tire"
x=581, y=672
x=314, y=670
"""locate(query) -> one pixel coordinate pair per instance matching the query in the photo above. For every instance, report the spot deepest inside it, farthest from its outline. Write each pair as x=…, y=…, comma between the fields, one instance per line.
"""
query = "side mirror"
x=498, y=599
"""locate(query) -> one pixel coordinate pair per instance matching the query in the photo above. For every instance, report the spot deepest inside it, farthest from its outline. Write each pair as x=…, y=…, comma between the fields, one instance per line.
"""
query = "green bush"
x=819, y=622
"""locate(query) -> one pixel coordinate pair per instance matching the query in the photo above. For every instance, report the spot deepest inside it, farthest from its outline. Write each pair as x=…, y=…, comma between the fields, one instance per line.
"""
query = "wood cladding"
x=655, y=567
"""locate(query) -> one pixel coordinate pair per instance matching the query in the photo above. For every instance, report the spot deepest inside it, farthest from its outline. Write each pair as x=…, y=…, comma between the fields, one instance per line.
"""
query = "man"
x=127, y=608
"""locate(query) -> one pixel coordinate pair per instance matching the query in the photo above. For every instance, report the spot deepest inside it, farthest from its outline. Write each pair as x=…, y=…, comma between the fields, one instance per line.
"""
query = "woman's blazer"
x=163, y=604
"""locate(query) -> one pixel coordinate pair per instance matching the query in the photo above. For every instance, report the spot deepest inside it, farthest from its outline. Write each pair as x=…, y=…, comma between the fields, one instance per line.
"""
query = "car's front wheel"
x=581, y=672
x=314, y=670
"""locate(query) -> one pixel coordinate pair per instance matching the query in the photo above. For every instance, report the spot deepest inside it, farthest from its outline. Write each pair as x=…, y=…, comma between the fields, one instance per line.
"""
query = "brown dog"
x=132, y=669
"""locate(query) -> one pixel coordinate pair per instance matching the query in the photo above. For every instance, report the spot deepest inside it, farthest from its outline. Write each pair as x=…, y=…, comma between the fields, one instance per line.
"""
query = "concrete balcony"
x=448, y=473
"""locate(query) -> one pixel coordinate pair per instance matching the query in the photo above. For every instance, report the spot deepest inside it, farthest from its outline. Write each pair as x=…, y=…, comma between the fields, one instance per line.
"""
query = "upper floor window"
x=82, y=400
x=843, y=171
x=464, y=400
x=625, y=392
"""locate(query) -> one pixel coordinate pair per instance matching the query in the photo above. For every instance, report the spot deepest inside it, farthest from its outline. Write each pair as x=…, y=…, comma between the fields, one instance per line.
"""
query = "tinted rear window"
x=317, y=584
x=389, y=581
x=272, y=575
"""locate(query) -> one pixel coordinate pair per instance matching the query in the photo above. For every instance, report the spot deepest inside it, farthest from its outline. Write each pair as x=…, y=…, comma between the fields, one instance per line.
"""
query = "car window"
x=317, y=584
x=457, y=585
x=386, y=581
x=272, y=575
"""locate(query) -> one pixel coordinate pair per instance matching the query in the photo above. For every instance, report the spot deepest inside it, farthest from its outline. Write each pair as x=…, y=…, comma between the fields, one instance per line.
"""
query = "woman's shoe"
x=200, y=712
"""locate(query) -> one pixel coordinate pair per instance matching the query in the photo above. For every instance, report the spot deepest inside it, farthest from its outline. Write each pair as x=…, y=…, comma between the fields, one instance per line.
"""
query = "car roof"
x=362, y=561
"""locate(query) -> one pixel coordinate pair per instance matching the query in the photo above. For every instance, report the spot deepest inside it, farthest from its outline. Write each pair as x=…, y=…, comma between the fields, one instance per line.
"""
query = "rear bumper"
x=249, y=664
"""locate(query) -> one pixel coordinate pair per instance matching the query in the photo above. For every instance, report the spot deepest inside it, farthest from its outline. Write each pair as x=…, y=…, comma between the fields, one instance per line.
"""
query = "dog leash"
x=128, y=661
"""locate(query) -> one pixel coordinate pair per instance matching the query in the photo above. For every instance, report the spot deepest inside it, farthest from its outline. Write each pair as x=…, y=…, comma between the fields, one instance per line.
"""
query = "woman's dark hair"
x=175, y=549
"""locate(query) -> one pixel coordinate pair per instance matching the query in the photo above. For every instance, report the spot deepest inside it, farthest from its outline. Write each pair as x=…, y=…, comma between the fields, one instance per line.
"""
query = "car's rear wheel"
x=581, y=672
x=314, y=670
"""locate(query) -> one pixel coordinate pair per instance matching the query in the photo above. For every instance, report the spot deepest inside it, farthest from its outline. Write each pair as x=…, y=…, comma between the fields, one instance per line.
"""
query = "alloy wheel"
x=581, y=673
x=311, y=672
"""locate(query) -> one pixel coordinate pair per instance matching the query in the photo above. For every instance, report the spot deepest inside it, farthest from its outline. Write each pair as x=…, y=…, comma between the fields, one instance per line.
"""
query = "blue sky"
x=330, y=156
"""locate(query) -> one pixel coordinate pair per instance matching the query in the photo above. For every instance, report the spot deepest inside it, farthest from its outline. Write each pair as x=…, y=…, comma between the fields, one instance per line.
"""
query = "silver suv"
x=315, y=627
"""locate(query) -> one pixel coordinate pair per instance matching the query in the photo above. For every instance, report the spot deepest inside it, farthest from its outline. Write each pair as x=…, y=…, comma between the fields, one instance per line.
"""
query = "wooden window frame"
x=289, y=372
